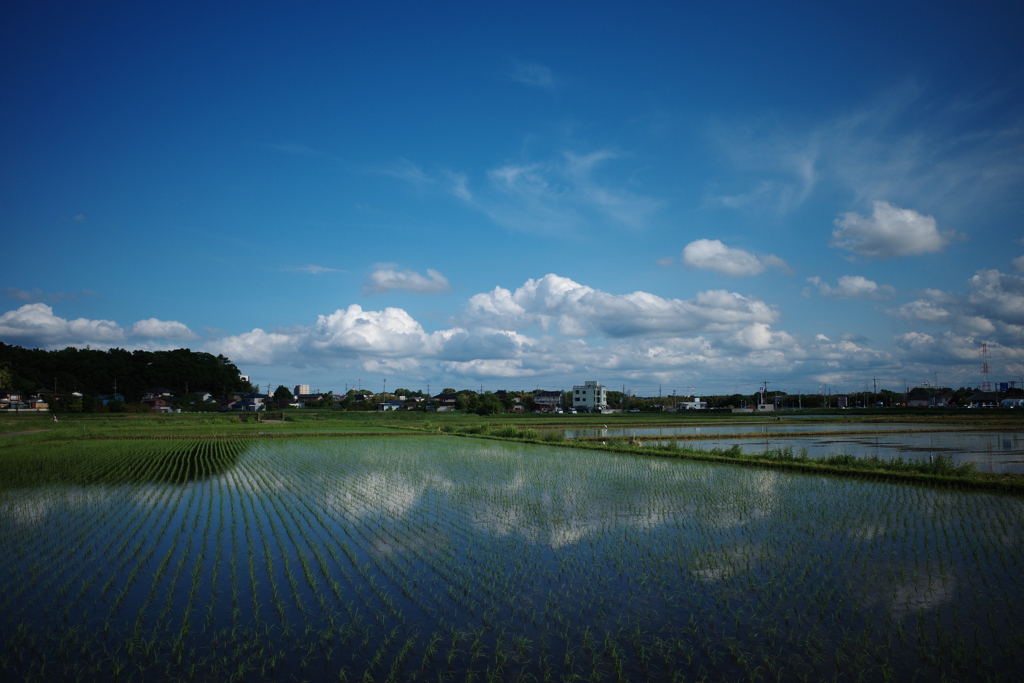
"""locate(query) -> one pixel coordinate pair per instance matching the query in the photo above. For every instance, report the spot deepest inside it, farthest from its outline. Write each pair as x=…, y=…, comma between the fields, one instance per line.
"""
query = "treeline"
x=92, y=373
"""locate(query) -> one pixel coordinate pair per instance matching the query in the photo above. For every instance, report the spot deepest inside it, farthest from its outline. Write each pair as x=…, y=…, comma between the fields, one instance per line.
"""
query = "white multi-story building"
x=301, y=389
x=695, y=404
x=589, y=396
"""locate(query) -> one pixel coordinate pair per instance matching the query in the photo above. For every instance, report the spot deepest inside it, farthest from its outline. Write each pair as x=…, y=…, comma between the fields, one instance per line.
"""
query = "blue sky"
x=535, y=195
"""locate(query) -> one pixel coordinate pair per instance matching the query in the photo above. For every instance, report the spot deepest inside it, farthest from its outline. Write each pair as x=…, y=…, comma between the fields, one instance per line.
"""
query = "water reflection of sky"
x=989, y=451
x=742, y=428
x=501, y=535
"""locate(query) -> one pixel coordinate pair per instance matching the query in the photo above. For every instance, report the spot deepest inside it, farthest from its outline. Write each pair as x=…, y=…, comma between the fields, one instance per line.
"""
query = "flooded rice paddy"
x=460, y=559
x=989, y=451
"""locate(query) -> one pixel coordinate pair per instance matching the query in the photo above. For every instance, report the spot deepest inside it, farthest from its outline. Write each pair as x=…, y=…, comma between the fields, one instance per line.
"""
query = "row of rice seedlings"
x=41, y=546
x=282, y=519
x=62, y=650
x=825, y=611
x=359, y=528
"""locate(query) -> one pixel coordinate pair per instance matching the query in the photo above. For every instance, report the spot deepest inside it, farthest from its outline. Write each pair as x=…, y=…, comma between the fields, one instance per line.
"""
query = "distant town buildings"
x=301, y=389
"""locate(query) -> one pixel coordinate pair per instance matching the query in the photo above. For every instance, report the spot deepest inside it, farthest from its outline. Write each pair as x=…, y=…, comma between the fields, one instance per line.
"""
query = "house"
x=158, y=405
x=10, y=398
x=38, y=404
x=589, y=396
x=390, y=405
x=548, y=401
x=984, y=399
x=306, y=397
x=251, y=402
x=156, y=392
x=445, y=402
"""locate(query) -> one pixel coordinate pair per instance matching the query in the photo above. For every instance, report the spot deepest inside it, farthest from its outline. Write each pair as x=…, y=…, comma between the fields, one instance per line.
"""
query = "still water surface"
x=990, y=451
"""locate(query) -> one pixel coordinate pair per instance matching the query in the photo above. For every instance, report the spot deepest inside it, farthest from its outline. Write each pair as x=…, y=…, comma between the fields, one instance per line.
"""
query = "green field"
x=415, y=557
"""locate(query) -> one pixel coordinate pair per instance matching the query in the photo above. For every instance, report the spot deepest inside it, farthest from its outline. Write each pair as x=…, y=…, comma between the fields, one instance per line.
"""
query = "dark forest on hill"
x=92, y=372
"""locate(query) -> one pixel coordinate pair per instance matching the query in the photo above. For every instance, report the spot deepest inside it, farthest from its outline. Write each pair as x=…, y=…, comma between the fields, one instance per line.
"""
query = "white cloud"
x=386, y=279
x=993, y=307
x=890, y=232
x=713, y=255
x=759, y=337
x=997, y=296
x=922, y=310
x=556, y=196
x=902, y=145
x=311, y=269
x=853, y=287
x=161, y=329
x=1017, y=264
x=532, y=74
x=36, y=325
x=559, y=304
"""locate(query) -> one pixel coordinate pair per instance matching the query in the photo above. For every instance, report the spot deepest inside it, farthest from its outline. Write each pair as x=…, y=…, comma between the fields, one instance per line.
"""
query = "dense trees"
x=92, y=372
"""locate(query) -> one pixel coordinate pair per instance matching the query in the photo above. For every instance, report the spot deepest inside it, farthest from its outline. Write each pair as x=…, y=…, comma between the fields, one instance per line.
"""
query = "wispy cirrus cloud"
x=555, y=196
x=903, y=145
x=311, y=269
x=37, y=295
x=531, y=74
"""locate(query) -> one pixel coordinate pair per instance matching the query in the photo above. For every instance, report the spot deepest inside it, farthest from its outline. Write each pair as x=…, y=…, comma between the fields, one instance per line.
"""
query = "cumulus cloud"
x=35, y=324
x=955, y=350
x=993, y=307
x=559, y=304
x=161, y=329
x=581, y=330
x=1017, y=264
x=713, y=255
x=347, y=333
x=889, y=232
x=386, y=279
x=853, y=287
